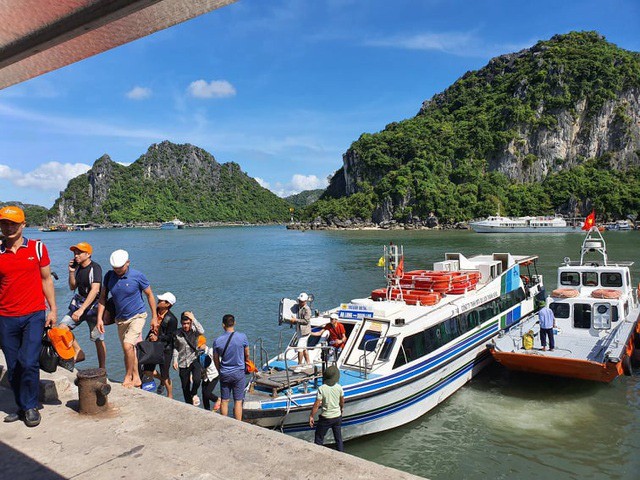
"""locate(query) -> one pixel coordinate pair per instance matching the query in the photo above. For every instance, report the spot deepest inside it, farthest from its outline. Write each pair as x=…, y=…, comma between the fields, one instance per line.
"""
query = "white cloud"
x=8, y=172
x=48, y=176
x=297, y=184
x=139, y=93
x=81, y=125
x=260, y=181
x=307, y=182
x=213, y=89
x=466, y=44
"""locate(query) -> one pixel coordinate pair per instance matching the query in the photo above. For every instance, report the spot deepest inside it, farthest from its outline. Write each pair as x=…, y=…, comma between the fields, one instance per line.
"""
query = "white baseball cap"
x=119, y=258
x=303, y=297
x=334, y=316
x=168, y=297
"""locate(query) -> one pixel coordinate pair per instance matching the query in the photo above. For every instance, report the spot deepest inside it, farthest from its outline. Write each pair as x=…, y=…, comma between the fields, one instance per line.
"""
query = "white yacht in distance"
x=498, y=224
x=172, y=225
x=409, y=346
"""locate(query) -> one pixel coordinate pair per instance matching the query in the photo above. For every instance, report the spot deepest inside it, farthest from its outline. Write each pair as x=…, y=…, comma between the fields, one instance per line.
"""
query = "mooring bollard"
x=93, y=390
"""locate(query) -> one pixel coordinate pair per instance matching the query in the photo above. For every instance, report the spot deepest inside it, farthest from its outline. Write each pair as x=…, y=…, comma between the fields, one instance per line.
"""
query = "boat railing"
x=264, y=355
x=362, y=361
x=321, y=346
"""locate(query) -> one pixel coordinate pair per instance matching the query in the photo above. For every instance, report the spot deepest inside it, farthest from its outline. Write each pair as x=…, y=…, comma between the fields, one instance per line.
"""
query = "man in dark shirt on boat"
x=547, y=323
x=337, y=334
x=85, y=276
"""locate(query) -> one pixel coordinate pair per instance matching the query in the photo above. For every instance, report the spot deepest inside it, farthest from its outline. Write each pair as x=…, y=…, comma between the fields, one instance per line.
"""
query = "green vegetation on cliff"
x=444, y=159
x=169, y=181
x=34, y=214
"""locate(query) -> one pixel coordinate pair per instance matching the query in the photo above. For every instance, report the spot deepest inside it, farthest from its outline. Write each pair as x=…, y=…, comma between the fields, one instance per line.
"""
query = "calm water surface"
x=500, y=425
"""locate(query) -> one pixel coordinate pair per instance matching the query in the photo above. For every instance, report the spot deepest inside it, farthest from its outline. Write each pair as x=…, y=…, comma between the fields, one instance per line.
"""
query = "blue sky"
x=282, y=87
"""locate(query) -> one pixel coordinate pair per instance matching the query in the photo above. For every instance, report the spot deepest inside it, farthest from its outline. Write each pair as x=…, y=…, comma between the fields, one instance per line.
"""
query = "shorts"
x=130, y=330
x=233, y=382
x=302, y=343
x=91, y=320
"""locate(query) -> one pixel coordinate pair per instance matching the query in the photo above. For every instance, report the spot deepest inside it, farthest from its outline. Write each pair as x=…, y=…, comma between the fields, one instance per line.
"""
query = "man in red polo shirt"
x=25, y=283
x=337, y=334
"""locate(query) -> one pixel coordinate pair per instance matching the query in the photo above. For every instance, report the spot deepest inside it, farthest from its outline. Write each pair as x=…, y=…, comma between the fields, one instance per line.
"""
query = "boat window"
x=312, y=341
x=582, y=315
x=570, y=278
x=590, y=279
x=389, y=342
x=368, y=340
x=560, y=310
x=611, y=279
x=422, y=343
x=602, y=316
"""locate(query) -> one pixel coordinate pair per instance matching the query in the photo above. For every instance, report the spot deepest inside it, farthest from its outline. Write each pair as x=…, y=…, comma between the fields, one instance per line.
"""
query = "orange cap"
x=83, y=247
x=202, y=341
x=12, y=213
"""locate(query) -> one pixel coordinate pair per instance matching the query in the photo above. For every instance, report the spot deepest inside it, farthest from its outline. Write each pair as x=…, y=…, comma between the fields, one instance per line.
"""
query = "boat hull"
x=497, y=229
x=568, y=367
x=391, y=401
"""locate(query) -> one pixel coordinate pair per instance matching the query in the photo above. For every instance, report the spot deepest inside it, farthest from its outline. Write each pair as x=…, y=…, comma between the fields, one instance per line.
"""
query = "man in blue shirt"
x=547, y=322
x=127, y=286
x=230, y=354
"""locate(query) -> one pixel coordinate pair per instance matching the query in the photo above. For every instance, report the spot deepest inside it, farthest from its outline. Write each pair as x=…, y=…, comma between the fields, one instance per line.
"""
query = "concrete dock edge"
x=149, y=436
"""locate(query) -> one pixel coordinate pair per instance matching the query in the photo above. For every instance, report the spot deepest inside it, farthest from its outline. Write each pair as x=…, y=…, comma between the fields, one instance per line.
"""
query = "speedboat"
x=596, y=312
x=172, y=225
x=409, y=345
x=498, y=224
x=619, y=225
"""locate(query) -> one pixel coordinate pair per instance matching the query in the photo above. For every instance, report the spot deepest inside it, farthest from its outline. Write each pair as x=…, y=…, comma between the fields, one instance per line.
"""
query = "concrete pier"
x=149, y=436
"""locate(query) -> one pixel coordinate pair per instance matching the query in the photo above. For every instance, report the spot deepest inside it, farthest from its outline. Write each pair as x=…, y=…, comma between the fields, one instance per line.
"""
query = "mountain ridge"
x=502, y=138
x=167, y=181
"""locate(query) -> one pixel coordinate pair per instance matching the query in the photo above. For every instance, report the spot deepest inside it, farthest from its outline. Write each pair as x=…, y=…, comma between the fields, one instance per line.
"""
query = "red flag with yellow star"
x=590, y=221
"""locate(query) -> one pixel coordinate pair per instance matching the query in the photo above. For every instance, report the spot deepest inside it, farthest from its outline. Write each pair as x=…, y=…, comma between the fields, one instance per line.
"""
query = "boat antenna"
x=594, y=242
x=393, y=257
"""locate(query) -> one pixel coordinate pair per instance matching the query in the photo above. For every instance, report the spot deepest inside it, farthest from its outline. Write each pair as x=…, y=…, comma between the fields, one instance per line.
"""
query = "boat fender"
x=626, y=365
x=527, y=340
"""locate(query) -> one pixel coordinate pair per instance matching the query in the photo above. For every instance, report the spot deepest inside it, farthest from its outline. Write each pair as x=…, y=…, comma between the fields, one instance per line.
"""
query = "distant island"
x=168, y=181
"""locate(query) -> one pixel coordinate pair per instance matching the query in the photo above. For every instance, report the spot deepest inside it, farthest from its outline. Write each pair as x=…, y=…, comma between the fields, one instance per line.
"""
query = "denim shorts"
x=233, y=382
x=92, y=321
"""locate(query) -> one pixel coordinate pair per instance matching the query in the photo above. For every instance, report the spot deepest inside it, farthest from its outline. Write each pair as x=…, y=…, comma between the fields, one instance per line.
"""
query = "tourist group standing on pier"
x=26, y=290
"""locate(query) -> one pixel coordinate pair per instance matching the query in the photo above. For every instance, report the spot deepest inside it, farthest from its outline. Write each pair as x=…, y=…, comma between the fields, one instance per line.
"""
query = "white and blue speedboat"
x=409, y=346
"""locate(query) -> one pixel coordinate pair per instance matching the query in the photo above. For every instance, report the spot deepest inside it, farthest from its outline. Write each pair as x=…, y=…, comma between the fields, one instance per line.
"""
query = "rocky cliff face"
x=169, y=180
x=536, y=152
x=526, y=115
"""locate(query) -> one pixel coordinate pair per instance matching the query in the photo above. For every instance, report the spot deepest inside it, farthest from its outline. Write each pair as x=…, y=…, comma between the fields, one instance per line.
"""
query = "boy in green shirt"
x=331, y=398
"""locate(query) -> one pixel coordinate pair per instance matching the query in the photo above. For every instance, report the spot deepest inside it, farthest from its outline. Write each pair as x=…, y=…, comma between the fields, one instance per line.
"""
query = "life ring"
x=565, y=293
x=606, y=293
x=627, y=368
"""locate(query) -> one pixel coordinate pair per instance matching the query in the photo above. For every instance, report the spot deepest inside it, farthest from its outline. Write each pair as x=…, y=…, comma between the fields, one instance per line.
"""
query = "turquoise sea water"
x=500, y=425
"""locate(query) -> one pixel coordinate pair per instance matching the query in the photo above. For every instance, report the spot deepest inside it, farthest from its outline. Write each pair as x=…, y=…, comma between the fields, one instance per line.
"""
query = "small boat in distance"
x=596, y=312
x=498, y=224
x=620, y=225
x=172, y=225
x=409, y=346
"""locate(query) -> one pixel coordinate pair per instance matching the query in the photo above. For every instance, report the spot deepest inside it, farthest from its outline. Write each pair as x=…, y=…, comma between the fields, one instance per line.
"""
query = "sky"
x=281, y=87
